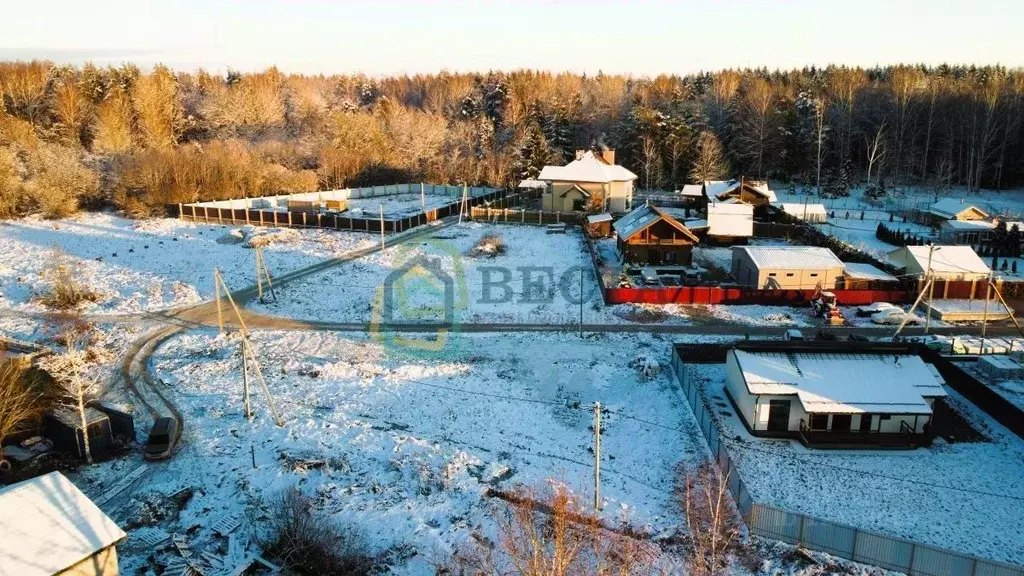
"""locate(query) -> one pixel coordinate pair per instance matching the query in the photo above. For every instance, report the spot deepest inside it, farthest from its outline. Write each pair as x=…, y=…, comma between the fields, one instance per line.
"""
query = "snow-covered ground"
x=411, y=443
x=861, y=233
x=1011, y=389
x=397, y=206
x=1005, y=202
x=149, y=264
x=963, y=496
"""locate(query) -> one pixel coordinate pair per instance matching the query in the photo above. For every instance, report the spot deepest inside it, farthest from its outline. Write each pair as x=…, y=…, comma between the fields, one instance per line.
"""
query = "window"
x=814, y=274
x=771, y=274
x=789, y=274
x=577, y=205
x=841, y=422
x=865, y=422
x=819, y=422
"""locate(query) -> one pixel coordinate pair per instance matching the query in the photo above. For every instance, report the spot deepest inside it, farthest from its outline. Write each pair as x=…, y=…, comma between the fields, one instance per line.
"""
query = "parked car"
x=793, y=334
x=162, y=438
x=874, y=307
x=895, y=316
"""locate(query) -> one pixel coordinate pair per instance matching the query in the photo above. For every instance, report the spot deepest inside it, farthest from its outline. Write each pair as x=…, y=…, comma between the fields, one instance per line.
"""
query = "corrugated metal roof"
x=969, y=225
x=945, y=259
x=642, y=217
x=587, y=169
x=791, y=257
x=48, y=526
x=843, y=383
x=865, y=272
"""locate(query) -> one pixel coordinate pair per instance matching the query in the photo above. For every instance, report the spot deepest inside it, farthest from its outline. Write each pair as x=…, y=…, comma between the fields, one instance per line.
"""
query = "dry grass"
x=21, y=398
x=712, y=520
x=489, y=246
x=66, y=291
x=309, y=542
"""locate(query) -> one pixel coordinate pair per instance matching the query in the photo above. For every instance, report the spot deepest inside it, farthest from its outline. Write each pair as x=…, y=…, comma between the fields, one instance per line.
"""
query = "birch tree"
x=74, y=386
x=875, y=148
x=710, y=163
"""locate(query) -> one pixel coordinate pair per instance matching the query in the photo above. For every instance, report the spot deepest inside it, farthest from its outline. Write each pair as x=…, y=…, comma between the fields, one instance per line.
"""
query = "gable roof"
x=49, y=525
x=643, y=216
x=576, y=188
x=588, y=168
x=791, y=257
x=842, y=383
x=722, y=188
x=859, y=271
x=950, y=208
x=945, y=259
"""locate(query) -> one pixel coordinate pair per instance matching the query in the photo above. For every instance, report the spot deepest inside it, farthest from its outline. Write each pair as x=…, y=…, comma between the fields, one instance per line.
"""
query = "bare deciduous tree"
x=875, y=149
x=711, y=518
x=710, y=163
x=20, y=400
x=74, y=386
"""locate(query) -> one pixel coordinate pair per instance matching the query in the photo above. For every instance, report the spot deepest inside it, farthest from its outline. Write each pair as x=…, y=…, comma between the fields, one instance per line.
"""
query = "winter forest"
x=88, y=137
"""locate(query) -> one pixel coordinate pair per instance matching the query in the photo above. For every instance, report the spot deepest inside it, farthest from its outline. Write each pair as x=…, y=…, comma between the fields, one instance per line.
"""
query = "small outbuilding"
x=786, y=267
x=49, y=527
x=805, y=212
x=651, y=235
x=834, y=398
x=944, y=262
x=599, y=225
x=63, y=427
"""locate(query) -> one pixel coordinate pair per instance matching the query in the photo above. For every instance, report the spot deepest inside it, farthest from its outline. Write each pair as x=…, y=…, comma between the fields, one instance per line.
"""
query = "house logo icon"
x=415, y=308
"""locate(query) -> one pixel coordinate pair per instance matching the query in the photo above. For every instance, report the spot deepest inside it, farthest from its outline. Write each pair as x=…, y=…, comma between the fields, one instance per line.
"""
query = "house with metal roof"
x=804, y=212
x=753, y=192
x=49, y=526
x=786, y=267
x=591, y=182
x=956, y=209
x=834, y=396
x=944, y=262
x=652, y=235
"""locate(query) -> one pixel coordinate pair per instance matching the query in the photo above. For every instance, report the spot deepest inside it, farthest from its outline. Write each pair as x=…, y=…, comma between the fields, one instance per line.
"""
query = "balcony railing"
x=905, y=437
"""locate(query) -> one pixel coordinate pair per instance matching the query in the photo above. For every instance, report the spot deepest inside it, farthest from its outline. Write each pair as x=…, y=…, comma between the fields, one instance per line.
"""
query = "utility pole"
x=581, y=302
x=381, y=225
x=984, y=315
x=245, y=383
x=216, y=297
x=597, y=457
x=261, y=272
x=931, y=290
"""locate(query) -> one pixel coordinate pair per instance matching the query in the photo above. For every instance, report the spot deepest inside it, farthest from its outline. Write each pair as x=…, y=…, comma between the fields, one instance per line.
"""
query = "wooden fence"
x=214, y=212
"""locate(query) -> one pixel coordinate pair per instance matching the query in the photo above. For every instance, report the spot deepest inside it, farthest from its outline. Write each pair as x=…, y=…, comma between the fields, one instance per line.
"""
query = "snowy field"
x=397, y=206
x=151, y=264
x=963, y=496
x=1005, y=202
x=861, y=233
x=411, y=444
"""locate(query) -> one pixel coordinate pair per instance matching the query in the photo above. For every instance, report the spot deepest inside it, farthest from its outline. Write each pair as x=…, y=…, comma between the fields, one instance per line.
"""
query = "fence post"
x=220, y=216
x=275, y=218
x=800, y=535
x=181, y=213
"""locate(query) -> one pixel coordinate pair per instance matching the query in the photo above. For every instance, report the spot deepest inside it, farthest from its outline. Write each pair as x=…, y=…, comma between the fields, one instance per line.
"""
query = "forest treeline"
x=74, y=137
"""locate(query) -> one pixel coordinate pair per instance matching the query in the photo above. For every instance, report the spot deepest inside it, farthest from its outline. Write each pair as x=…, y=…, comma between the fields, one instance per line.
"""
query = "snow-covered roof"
x=866, y=272
x=731, y=220
x=531, y=183
x=643, y=216
x=718, y=188
x=691, y=190
x=968, y=225
x=48, y=526
x=945, y=259
x=595, y=218
x=798, y=210
x=951, y=207
x=588, y=168
x=791, y=257
x=838, y=383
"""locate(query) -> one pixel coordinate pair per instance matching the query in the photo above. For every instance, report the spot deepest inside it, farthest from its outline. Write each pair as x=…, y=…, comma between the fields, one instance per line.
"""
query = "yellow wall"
x=620, y=195
x=103, y=563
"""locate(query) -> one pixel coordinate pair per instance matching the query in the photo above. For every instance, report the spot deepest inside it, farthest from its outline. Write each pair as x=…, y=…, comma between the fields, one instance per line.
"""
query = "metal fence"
x=889, y=552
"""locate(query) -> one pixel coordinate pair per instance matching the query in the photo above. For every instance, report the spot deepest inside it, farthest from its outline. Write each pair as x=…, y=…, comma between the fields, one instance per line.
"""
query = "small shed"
x=63, y=427
x=786, y=267
x=50, y=527
x=651, y=235
x=599, y=225
x=805, y=212
x=1000, y=367
x=944, y=262
x=955, y=209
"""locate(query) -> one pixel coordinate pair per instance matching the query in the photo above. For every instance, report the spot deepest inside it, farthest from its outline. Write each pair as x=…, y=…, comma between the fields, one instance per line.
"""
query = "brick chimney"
x=608, y=155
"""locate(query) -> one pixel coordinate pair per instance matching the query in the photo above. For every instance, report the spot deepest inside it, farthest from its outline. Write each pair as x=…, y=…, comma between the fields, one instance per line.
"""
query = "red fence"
x=718, y=295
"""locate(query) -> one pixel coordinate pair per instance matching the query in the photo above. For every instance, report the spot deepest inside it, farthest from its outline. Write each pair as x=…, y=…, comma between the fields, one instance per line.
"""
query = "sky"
x=642, y=38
